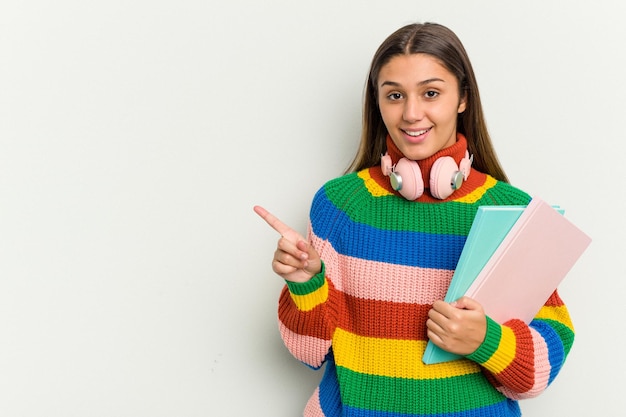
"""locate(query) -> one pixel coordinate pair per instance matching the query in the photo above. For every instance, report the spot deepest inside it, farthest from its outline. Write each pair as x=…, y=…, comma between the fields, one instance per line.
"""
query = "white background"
x=135, y=137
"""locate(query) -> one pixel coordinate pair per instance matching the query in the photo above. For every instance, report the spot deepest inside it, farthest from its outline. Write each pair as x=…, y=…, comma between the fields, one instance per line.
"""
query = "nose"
x=413, y=111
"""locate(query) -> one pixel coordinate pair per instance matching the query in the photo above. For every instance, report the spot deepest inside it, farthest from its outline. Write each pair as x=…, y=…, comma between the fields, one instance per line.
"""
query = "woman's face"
x=419, y=102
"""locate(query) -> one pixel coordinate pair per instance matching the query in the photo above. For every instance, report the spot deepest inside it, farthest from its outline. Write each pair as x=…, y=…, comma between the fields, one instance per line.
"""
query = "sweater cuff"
x=307, y=295
x=489, y=346
x=497, y=350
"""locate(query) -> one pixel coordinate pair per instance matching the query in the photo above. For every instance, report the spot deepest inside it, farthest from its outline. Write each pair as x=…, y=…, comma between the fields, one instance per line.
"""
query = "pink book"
x=529, y=264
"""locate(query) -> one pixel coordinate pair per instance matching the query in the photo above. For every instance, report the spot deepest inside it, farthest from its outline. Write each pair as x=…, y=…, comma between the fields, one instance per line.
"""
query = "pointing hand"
x=295, y=259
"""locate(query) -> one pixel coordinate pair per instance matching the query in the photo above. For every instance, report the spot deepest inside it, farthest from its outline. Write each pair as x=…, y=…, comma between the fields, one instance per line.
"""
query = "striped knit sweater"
x=385, y=261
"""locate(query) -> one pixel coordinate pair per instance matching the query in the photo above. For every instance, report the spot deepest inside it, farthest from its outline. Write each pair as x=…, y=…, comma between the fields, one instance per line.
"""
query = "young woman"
x=364, y=291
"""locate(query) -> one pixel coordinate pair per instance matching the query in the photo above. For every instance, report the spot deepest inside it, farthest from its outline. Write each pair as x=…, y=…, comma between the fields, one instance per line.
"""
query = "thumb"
x=313, y=262
x=467, y=303
x=305, y=246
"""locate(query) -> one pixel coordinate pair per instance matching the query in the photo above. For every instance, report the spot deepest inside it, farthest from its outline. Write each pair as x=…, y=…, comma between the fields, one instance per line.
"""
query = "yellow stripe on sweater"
x=309, y=301
x=556, y=313
x=377, y=191
x=372, y=186
x=505, y=353
x=392, y=358
x=478, y=193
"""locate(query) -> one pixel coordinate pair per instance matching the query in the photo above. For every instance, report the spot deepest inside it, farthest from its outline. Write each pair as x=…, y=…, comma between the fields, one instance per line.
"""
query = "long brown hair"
x=440, y=42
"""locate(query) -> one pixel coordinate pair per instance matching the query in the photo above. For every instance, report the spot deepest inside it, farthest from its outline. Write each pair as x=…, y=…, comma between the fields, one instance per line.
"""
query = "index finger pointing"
x=273, y=221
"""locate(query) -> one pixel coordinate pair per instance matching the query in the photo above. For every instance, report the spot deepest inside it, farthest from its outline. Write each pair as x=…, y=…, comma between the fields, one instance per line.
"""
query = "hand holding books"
x=513, y=260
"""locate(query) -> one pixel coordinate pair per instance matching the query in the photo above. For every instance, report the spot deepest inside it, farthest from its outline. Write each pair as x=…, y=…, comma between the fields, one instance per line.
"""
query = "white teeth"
x=418, y=133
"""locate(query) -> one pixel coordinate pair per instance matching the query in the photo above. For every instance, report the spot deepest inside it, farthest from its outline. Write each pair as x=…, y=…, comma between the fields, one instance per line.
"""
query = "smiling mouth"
x=417, y=133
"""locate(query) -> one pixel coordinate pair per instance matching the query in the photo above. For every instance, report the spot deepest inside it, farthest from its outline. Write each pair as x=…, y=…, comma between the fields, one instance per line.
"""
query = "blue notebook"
x=490, y=227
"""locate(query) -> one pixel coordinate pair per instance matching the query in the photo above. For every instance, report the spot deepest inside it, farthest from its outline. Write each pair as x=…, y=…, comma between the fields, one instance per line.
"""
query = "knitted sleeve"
x=305, y=326
x=522, y=360
x=308, y=311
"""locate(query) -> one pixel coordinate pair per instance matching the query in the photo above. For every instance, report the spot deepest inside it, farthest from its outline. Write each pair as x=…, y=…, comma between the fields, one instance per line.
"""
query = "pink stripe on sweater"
x=542, y=370
x=308, y=349
x=313, y=407
x=397, y=283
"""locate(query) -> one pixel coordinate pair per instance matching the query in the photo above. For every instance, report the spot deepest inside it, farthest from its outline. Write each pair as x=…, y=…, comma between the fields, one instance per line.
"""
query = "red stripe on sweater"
x=384, y=319
x=520, y=374
x=309, y=323
x=369, y=318
x=555, y=300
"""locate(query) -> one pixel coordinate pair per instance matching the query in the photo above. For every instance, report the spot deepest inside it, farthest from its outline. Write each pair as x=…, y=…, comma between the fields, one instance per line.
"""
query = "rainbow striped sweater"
x=385, y=261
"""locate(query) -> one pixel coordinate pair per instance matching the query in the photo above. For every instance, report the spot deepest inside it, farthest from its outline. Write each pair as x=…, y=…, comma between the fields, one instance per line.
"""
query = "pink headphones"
x=445, y=176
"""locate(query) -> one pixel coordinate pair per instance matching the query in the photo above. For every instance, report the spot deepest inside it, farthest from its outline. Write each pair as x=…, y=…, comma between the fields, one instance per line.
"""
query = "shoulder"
x=334, y=204
x=482, y=189
x=351, y=199
x=503, y=193
x=337, y=193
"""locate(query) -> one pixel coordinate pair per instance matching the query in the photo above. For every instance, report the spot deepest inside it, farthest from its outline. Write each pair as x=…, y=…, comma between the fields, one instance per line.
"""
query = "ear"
x=462, y=103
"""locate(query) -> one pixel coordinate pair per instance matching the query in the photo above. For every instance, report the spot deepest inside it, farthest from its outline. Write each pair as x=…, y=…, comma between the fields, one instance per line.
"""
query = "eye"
x=431, y=94
x=394, y=96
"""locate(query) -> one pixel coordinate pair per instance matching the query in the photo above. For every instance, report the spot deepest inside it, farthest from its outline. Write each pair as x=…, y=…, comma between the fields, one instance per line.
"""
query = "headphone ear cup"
x=441, y=177
x=411, y=175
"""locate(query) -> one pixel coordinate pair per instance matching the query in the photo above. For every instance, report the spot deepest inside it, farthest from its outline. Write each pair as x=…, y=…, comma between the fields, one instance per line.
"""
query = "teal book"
x=491, y=225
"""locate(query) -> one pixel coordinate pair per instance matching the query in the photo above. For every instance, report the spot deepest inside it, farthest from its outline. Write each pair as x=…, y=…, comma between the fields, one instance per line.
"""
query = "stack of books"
x=513, y=260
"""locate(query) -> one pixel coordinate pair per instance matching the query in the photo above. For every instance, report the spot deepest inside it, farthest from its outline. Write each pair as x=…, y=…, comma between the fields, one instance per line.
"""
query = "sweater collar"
x=456, y=151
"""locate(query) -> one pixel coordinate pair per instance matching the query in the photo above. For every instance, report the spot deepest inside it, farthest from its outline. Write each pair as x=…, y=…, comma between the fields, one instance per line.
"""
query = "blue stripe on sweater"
x=556, y=354
x=425, y=250
x=507, y=408
x=330, y=399
x=331, y=404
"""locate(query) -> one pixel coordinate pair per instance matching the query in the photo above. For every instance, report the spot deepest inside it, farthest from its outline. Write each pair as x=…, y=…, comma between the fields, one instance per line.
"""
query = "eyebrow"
x=421, y=83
